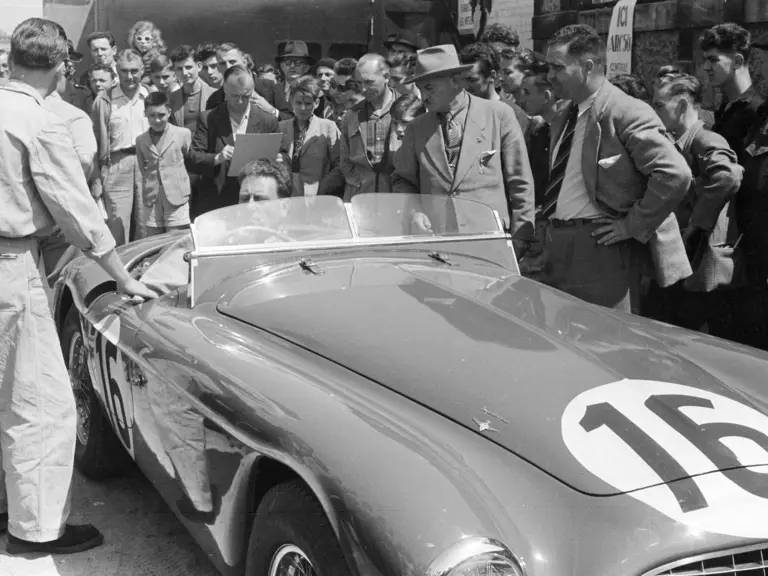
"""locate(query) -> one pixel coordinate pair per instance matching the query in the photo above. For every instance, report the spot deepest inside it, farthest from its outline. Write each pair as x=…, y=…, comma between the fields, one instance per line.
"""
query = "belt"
x=572, y=223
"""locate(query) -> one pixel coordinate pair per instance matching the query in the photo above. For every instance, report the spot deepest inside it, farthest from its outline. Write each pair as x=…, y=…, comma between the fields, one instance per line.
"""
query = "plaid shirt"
x=378, y=125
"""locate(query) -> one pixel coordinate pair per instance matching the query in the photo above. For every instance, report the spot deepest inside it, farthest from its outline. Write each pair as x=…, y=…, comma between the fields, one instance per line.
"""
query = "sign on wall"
x=517, y=14
x=619, y=49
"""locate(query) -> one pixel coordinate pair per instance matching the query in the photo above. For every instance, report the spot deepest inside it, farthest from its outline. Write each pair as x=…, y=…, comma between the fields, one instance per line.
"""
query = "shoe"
x=3, y=523
x=74, y=539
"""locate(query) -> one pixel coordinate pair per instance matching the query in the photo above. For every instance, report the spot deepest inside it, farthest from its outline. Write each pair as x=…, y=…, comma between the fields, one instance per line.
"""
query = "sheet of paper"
x=249, y=147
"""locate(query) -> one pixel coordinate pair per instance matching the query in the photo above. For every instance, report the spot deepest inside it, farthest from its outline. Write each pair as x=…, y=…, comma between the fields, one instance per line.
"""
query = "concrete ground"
x=142, y=537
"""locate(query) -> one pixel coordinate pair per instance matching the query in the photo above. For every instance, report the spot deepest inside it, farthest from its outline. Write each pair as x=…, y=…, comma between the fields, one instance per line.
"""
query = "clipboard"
x=249, y=147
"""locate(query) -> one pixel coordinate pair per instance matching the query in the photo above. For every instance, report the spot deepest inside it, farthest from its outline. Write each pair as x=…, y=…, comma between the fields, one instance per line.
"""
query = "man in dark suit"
x=464, y=147
x=214, y=140
x=614, y=180
x=264, y=91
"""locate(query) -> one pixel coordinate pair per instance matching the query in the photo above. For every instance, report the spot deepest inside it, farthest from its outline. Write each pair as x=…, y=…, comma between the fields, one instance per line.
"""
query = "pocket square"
x=486, y=156
x=608, y=162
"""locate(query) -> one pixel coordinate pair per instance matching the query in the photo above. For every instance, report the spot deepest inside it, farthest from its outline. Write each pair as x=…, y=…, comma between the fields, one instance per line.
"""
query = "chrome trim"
x=734, y=569
x=466, y=549
x=348, y=243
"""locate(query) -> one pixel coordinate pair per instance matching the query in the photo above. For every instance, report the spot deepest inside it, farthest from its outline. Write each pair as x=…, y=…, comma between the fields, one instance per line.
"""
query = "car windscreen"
x=300, y=219
x=392, y=215
x=326, y=220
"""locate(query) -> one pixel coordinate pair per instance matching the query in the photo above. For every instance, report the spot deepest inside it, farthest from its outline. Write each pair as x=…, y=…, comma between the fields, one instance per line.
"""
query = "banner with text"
x=619, y=49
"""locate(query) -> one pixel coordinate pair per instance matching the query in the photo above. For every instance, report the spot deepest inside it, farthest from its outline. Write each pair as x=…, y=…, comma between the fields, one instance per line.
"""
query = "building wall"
x=517, y=14
x=666, y=31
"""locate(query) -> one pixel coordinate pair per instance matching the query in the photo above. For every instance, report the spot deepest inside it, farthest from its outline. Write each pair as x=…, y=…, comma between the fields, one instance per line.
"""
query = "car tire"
x=98, y=454
x=290, y=520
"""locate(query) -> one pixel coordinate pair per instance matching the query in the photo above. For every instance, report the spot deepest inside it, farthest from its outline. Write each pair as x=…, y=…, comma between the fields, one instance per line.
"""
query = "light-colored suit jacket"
x=163, y=165
x=634, y=172
x=319, y=158
x=176, y=102
x=493, y=166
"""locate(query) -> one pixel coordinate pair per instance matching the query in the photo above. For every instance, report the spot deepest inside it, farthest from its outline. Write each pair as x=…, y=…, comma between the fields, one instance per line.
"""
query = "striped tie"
x=452, y=136
x=557, y=173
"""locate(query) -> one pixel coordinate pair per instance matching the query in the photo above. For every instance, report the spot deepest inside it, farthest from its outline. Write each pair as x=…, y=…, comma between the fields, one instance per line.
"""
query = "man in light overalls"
x=42, y=185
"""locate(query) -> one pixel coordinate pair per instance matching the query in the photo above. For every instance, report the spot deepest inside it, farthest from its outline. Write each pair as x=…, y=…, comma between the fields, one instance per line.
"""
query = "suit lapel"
x=592, y=136
x=254, y=122
x=165, y=140
x=471, y=145
x=556, y=129
x=225, y=126
x=435, y=146
x=362, y=126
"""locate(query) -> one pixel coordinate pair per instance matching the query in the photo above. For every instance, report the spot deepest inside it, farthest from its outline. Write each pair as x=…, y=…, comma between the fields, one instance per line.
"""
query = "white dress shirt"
x=573, y=200
x=240, y=128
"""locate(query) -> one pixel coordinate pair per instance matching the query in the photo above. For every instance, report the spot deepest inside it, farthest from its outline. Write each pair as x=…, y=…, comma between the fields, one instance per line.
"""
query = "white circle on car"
x=698, y=457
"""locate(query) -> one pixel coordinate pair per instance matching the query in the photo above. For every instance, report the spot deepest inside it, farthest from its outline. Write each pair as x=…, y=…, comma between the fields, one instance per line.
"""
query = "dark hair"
x=402, y=59
x=269, y=169
x=540, y=70
x=325, y=63
x=521, y=58
x=581, y=40
x=156, y=99
x=205, y=51
x=159, y=63
x=237, y=70
x=101, y=68
x=632, y=85
x=405, y=104
x=99, y=34
x=728, y=37
x=679, y=83
x=308, y=85
x=37, y=44
x=345, y=67
x=502, y=34
x=182, y=53
x=483, y=53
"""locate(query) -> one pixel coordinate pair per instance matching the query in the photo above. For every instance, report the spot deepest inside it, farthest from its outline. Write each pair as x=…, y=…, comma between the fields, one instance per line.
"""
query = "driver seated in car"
x=259, y=180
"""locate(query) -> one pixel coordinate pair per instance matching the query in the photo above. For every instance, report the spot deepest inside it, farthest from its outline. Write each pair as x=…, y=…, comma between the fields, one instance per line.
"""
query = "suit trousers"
x=573, y=261
x=122, y=198
x=38, y=418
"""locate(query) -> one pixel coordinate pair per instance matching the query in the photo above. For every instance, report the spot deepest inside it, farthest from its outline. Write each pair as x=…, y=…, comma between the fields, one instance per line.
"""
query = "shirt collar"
x=141, y=93
x=23, y=88
x=198, y=86
x=684, y=142
x=586, y=104
x=246, y=114
x=54, y=95
x=387, y=104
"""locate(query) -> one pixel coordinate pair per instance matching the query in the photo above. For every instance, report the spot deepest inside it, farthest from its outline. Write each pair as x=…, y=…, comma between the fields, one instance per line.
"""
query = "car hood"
x=490, y=350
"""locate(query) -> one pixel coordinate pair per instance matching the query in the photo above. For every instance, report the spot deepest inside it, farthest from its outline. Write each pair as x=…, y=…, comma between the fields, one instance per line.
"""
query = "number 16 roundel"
x=696, y=456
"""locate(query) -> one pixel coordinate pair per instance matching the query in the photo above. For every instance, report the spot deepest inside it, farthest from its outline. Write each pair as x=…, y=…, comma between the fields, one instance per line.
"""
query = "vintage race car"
x=323, y=389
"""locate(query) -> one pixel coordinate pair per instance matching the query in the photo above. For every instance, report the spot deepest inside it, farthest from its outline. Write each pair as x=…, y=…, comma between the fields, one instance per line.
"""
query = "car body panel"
x=363, y=380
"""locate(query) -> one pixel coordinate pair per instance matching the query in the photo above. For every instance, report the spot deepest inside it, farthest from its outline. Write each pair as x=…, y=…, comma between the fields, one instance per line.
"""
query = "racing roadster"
x=322, y=390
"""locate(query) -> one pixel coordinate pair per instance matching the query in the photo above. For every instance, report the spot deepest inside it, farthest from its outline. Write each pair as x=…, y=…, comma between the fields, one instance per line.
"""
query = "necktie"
x=557, y=173
x=452, y=134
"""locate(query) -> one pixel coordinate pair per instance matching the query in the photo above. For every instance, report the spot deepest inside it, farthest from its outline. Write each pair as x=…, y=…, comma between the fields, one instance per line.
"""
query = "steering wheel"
x=232, y=237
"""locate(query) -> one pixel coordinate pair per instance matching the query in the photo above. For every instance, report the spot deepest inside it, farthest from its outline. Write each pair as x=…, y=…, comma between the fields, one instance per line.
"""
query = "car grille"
x=752, y=561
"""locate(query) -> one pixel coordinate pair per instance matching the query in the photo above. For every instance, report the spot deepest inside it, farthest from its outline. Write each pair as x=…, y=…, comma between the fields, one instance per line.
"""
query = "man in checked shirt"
x=366, y=161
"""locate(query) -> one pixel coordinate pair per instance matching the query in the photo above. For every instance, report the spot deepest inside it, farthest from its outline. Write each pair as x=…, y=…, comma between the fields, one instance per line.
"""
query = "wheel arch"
x=266, y=473
x=65, y=303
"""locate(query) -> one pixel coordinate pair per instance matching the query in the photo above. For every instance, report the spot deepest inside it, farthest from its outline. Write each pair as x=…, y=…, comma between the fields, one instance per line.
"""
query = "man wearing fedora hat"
x=402, y=42
x=465, y=146
x=294, y=62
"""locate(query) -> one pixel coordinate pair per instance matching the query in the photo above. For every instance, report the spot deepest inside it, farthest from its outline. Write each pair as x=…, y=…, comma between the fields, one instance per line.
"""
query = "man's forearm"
x=113, y=266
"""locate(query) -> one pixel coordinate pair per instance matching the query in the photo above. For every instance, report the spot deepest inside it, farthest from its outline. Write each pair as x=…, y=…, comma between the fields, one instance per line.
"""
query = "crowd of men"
x=614, y=192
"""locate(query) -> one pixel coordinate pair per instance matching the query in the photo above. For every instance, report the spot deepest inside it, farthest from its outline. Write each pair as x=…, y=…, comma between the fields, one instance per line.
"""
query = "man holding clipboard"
x=214, y=150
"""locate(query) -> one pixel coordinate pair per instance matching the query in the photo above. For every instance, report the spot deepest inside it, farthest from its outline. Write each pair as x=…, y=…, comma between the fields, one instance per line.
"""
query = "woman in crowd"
x=146, y=39
x=311, y=143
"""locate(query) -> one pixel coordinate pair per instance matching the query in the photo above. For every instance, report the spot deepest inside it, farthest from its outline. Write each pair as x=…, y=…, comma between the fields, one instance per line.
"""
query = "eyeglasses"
x=350, y=85
x=293, y=62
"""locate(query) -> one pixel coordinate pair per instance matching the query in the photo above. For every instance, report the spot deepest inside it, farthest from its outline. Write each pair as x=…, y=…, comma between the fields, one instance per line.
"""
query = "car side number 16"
x=116, y=389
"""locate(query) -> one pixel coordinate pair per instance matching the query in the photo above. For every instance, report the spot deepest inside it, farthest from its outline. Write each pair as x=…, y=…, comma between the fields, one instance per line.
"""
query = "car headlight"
x=476, y=556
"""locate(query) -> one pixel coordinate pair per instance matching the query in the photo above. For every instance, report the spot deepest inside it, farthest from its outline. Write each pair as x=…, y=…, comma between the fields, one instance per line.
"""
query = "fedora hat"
x=437, y=61
x=404, y=37
x=295, y=49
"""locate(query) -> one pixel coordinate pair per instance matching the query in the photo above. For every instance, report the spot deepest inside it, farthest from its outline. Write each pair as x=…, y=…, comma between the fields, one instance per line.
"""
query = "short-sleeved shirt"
x=41, y=181
x=127, y=121
x=80, y=128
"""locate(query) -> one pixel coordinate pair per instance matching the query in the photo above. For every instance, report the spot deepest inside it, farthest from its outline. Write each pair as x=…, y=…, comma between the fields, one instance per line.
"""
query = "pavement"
x=142, y=537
